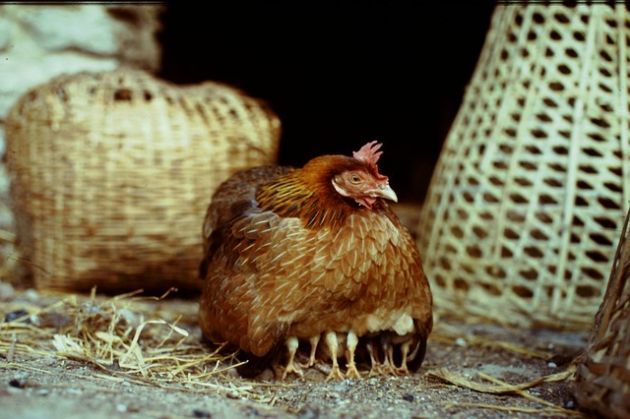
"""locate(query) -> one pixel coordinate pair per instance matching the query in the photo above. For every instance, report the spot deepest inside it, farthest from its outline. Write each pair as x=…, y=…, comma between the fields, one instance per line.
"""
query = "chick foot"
x=292, y=345
x=351, y=343
x=404, y=349
x=388, y=366
x=333, y=346
x=314, y=341
x=376, y=368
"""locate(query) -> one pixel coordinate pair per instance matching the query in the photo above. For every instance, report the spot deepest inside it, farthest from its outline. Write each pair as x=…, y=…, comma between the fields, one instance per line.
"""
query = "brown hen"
x=295, y=254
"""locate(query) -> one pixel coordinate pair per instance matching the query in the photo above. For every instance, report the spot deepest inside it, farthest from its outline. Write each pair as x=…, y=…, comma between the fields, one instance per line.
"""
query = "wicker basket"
x=112, y=173
x=603, y=377
x=525, y=206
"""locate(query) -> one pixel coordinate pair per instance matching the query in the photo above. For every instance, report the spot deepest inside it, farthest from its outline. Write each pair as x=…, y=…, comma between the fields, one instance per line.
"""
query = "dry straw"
x=124, y=338
x=603, y=382
x=112, y=173
x=501, y=387
x=527, y=201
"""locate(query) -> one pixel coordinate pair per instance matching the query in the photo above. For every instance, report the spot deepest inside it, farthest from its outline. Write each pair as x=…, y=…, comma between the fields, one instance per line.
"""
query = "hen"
x=292, y=254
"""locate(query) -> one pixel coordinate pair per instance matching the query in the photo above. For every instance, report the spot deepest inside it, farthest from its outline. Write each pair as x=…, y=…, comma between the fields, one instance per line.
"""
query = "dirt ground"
x=38, y=383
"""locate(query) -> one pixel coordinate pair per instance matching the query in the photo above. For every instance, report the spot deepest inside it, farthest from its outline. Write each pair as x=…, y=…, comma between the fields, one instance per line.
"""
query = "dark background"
x=339, y=75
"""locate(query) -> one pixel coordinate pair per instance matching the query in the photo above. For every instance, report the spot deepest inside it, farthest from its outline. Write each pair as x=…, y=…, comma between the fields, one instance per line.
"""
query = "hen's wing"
x=253, y=283
x=234, y=197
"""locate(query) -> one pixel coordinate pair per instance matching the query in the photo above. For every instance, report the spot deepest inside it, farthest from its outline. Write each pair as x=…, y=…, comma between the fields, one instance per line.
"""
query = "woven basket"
x=112, y=173
x=525, y=206
x=603, y=377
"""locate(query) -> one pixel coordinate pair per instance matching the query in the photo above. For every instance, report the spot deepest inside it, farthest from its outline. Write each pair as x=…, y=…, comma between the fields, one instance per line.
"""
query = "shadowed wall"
x=339, y=75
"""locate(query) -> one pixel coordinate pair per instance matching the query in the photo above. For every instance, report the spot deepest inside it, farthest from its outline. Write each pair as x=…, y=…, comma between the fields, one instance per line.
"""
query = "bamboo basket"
x=603, y=376
x=523, y=214
x=112, y=173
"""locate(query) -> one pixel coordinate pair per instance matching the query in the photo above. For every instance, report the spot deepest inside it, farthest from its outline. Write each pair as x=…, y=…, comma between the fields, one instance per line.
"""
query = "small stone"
x=232, y=372
x=42, y=392
x=341, y=387
x=91, y=308
x=251, y=412
x=17, y=383
x=308, y=412
x=200, y=413
x=54, y=319
x=408, y=397
x=14, y=315
x=569, y=404
x=121, y=408
x=552, y=364
x=130, y=317
x=31, y=295
x=460, y=342
x=7, y=292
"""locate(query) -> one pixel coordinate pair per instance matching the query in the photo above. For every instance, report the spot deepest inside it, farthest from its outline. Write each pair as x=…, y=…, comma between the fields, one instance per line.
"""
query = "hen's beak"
x=385, y=191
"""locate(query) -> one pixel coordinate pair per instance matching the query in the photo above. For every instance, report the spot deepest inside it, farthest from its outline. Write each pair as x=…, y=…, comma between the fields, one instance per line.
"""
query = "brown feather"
x=286, y=255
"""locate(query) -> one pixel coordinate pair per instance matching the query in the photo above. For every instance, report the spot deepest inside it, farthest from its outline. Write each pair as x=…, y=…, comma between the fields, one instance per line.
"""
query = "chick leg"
x=333, y=346
x=374, y=362
x=292, y=345
x=314, y=341
x=388, y=353
x=351, y=342
x=404, y=349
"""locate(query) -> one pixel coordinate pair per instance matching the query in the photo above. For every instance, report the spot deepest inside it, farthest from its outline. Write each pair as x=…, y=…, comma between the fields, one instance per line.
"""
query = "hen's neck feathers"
x=308, y=193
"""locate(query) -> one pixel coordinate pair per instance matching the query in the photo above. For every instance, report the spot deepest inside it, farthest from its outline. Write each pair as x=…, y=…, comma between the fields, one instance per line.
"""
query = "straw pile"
x=603, y=382
x=125, y=336
x=525, y=207
x=112, y=174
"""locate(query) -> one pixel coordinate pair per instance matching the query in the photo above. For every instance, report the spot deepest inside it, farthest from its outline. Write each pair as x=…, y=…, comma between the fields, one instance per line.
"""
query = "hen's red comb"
x=369, y=154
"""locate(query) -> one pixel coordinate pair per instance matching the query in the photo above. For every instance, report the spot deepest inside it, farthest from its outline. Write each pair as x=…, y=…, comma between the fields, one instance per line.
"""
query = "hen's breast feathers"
x=267, y=272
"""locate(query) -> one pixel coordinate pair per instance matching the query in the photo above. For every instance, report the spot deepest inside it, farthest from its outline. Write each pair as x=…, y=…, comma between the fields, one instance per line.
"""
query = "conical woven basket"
x=603, y=377
x=112, y=173
x=524, y=210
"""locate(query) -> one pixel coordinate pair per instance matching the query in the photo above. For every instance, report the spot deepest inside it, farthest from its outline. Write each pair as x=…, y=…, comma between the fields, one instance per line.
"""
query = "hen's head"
x=355, y=177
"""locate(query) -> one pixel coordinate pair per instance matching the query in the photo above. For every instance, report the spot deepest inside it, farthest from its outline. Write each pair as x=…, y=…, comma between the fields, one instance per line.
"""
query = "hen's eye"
x=355, y=179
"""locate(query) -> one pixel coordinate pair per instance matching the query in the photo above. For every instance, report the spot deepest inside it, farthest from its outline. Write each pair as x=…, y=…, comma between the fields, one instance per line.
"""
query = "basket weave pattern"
x=603, y=379
x=112, y=173
x=525, y=206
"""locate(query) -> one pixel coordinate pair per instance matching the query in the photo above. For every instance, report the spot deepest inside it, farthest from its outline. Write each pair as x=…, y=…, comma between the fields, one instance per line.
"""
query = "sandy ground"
x=48, y=386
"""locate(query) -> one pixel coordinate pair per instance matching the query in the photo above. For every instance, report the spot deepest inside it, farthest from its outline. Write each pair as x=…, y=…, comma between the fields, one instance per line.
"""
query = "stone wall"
x=40, y=42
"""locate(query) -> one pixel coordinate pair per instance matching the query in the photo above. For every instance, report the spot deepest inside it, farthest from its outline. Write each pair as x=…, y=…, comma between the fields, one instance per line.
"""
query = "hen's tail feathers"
x=416, y=357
